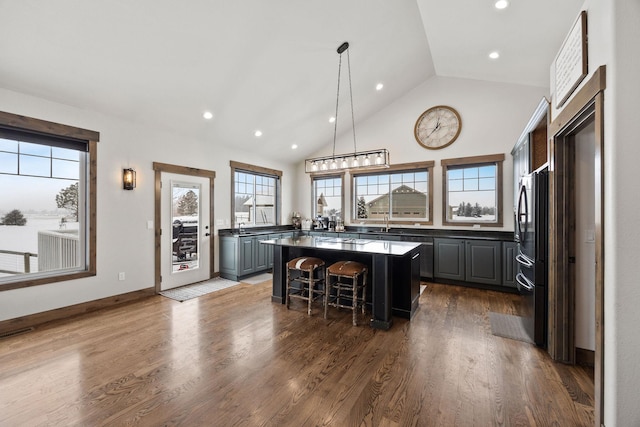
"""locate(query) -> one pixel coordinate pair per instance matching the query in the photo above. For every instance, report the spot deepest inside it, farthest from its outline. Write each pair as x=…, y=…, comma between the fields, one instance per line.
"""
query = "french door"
x=184, y=230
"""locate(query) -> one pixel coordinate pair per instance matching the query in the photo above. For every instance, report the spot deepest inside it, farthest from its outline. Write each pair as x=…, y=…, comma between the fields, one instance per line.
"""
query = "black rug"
x=508, y=326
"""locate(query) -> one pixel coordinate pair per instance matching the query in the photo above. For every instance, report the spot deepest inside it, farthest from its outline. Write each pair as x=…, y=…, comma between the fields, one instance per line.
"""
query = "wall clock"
x=438, y=127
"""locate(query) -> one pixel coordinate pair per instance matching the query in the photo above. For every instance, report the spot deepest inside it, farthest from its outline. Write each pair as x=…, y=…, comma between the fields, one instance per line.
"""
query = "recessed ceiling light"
x=379, y=86
x=332, y=119
x=294, y=146
x=494, y=55
x=501, y=4
x=258, y=133
x=207, y=115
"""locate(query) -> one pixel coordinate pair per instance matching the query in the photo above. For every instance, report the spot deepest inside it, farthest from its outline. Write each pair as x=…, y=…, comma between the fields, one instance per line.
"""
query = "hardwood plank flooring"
x=234, y=358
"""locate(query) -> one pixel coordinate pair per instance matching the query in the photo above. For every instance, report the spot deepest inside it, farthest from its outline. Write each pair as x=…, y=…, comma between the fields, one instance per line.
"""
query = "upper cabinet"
x=531, y=150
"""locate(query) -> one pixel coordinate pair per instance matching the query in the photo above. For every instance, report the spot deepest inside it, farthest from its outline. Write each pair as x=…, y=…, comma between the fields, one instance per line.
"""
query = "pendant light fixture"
x=356, y=160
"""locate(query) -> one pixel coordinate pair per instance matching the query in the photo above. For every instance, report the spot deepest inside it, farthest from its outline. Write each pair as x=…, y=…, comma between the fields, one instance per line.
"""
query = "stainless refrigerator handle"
x=519, y=214
x=524, y=282
x=524, y=260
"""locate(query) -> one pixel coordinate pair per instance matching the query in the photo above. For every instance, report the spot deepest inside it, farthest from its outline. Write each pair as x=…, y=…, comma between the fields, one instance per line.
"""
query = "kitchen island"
x=394, y=270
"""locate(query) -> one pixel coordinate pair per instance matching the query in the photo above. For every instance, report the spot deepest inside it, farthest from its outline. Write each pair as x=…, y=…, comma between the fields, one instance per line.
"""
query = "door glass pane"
x=185, y=215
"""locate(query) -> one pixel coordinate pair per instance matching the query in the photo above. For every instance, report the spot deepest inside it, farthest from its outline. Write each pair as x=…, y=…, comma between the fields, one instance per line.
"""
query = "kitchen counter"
x=366, y=246
x=394, y=270
x=377, y=231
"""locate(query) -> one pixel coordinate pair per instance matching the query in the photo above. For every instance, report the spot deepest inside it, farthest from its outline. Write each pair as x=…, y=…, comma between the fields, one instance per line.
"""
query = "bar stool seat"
x=305, y=280
x=346, y=287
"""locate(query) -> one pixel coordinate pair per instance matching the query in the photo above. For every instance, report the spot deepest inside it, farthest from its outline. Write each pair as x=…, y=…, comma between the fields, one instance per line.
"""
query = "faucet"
x=386, y=223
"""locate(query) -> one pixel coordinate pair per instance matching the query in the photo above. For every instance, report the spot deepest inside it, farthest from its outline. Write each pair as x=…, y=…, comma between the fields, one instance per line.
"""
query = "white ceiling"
x=269, y=65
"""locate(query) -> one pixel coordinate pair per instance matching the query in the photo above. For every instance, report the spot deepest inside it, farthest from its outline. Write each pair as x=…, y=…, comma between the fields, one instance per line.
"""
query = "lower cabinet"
x=483, y=262
x=448, y=259
x=242, y=256
x=247, y=262
x=473, y=261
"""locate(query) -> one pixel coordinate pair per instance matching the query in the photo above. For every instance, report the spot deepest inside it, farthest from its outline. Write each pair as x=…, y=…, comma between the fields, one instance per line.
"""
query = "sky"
x=33, y=189
x=30, y=193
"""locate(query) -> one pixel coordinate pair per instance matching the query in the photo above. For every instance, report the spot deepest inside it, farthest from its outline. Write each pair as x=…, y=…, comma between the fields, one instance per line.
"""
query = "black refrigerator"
x=531, y=234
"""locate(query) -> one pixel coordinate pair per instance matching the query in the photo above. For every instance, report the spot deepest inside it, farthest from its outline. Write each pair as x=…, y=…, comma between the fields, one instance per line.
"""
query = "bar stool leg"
x=312, y=284
x=327, y=291
x=354, y=304
x=364, y=290
x=288, y=289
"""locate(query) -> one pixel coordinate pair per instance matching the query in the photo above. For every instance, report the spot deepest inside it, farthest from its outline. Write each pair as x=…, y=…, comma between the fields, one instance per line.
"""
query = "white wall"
x=585, y=239
x=613, y=33
x=622, y=251
x=493, y=117
x=123, y=241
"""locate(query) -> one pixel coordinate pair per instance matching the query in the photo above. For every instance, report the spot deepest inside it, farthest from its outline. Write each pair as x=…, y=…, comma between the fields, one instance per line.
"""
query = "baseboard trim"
x=38, y=319
x=585, y=357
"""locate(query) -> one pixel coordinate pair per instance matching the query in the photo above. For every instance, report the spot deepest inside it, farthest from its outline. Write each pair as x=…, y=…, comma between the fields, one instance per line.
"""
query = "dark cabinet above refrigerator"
x=530, y=152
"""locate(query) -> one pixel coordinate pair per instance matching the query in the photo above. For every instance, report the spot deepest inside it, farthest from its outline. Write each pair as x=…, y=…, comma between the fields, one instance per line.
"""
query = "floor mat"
x=184, y=293
x=260, y=278
x=508, y=326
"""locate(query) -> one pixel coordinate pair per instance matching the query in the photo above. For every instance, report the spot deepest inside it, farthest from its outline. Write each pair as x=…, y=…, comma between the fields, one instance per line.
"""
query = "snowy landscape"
x=25, y=238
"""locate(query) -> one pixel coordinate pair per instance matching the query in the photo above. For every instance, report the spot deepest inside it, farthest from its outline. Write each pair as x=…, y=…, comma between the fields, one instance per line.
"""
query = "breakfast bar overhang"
x=394, y=270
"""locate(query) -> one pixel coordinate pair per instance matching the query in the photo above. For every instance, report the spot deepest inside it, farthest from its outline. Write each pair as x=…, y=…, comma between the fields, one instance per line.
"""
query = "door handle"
x=207, y=234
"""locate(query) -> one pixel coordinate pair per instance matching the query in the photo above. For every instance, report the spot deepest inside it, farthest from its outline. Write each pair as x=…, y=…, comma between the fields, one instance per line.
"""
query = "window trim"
x=259, y=170
x=498, y=160
x=42, y=128
x=315, y=176
x=403, y=167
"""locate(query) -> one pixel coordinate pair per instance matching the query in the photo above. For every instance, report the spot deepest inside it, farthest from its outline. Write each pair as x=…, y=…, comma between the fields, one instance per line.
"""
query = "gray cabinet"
x=509, y=264
x=448, y=259
x=263, y=254
x=483, y=262
x=242, y=256
x=487, y=262
x=228, y=255
x=246, y=256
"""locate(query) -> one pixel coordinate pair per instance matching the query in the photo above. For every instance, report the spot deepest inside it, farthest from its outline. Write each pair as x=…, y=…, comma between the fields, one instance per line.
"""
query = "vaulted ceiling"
x=268, y=65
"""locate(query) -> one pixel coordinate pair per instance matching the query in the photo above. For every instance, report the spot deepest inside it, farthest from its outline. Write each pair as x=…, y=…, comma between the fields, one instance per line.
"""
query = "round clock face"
x=438, y=127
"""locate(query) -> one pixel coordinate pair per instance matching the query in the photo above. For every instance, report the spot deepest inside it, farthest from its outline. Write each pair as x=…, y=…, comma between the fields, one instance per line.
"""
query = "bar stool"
x=306, y=273
x=347, y=286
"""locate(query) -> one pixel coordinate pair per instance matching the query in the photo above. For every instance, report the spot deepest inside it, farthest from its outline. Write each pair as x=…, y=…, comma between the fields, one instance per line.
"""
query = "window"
x=473, y=190
x=47, y=182
x=401, y=193
x=256, y=195
x=327, y=196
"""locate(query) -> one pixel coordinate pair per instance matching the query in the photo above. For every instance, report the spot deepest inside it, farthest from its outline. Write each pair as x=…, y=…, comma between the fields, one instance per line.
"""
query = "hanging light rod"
x=373, y=159
x=355, y=160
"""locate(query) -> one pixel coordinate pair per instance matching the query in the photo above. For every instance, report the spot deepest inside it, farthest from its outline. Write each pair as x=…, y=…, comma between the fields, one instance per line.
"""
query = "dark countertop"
x=398, y=231
x=381, y=247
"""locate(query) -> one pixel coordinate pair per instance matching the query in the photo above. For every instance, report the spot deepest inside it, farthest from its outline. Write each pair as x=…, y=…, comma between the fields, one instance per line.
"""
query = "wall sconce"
x=128, y=179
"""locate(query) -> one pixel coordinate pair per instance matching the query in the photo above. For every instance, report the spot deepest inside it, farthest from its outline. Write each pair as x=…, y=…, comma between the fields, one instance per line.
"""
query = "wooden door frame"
x=587, y=106
x=181, y=170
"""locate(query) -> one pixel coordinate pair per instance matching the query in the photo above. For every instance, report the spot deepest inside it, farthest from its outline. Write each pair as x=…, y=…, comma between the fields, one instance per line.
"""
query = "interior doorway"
x=183, y=225
x=580, y=122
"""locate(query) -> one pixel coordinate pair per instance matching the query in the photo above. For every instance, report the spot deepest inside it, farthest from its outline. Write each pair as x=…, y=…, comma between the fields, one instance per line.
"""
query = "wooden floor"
x=233, y=358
